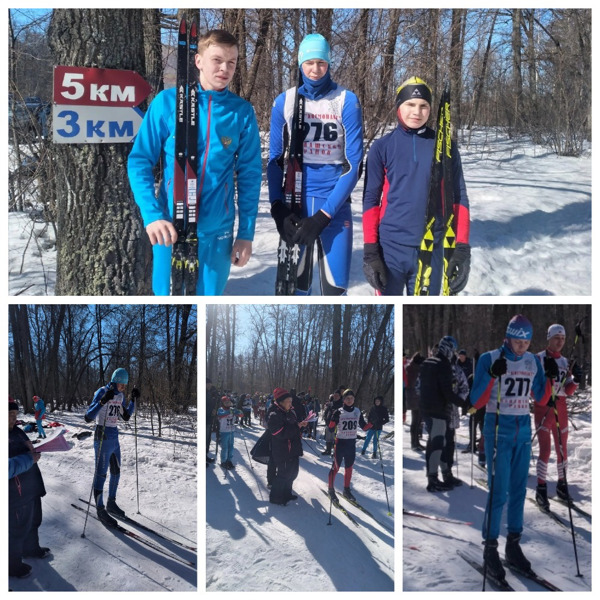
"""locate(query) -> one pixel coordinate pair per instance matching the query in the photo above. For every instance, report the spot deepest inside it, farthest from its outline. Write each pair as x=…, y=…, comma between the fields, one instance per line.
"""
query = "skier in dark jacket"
x=378, y=417
x=437, y=397
x=395, y=199
x=25, y=491
x=286, y=446
x=335, y=402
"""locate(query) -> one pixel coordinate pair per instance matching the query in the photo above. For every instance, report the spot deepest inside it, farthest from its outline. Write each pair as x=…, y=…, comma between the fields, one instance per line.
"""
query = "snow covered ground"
x=430, y=559
x=252, y=545
x=105, y=560
x=530, y=220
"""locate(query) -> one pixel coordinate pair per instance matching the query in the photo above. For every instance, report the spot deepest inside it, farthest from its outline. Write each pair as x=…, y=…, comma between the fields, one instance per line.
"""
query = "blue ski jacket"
x=332, y=147
x=396, y=188
x=229, y=160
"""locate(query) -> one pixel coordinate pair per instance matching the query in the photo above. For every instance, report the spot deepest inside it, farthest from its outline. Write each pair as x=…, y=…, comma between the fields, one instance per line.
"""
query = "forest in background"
x=65, y=352
x=479, y=328
x=314, y=348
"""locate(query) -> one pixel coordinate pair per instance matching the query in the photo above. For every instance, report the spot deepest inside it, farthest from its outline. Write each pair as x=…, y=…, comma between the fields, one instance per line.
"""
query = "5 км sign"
x=93, y=106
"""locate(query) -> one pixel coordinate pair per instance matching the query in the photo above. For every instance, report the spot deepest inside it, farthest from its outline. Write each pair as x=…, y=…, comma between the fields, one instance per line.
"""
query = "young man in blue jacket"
x=229, y=171
x=506, y=379
x=332, y=157
x=395, y=201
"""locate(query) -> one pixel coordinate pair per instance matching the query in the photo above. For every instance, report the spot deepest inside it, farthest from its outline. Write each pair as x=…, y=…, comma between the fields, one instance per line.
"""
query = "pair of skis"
x=184, y=260
x=143, y=540
x=288, y=254
x=440, y=204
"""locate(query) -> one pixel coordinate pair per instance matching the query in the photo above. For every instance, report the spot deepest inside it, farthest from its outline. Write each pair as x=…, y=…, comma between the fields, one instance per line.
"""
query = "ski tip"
x=182, y=27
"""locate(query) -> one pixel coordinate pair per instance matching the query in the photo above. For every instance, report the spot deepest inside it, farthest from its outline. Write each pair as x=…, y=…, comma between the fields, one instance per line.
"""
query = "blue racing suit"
x=332, y=157
x=524, y=379
x=229, y=173
x=106, y=438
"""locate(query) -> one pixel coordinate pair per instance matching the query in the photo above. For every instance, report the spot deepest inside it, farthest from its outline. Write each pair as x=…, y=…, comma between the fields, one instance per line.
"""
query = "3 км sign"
x=96, y=106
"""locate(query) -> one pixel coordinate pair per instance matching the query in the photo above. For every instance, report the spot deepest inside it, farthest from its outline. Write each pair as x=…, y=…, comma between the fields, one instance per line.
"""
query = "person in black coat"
x=378, y=417
x=286, y=446
x=25, y=491
x=437, y=397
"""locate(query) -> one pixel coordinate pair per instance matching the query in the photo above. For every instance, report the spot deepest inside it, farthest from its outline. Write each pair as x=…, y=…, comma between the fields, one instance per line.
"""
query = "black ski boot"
x=362, y=452
x=450, y=479
x=435, y=485
x=348, y=494
x=105, y=518
x=331, y=493
x=491, y=558
x=374, y=455
x=514, y=555
x=541, y=496
x=562, y=491
x=39, y=552
x=20, y=570
x=113, y=509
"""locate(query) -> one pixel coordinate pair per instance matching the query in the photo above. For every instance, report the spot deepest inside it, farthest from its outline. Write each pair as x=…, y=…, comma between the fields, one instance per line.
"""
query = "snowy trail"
x=107, y=560
x=253, y=545
x=547, y=545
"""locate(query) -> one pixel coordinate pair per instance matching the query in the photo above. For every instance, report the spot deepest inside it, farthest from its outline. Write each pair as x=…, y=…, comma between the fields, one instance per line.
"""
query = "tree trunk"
x=101, y=246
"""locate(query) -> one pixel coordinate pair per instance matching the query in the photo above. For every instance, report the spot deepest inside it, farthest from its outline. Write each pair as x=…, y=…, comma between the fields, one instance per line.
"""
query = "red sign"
x=83, y=86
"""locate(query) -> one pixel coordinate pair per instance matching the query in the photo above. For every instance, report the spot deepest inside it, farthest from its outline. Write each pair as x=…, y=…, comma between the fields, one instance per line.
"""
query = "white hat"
x=556, y=329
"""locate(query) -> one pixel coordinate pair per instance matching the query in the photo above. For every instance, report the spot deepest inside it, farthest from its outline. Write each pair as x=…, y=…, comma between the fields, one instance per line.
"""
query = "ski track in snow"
x=252, y=545
x=530, y=229
x=106, y=560
x=547, y=545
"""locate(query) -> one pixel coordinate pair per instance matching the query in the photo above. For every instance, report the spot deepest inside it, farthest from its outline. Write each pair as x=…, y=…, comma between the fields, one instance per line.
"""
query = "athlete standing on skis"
x=545, y=417
x=511, y=375
x=229, y=174
x=347, y=420
x=109, y=404
x=395, y=202
x=332, y=156
x=436, y=400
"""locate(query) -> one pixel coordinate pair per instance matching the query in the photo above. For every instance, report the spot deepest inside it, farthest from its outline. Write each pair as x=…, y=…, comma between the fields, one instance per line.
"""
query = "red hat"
x=280, y=394
x=225, y=399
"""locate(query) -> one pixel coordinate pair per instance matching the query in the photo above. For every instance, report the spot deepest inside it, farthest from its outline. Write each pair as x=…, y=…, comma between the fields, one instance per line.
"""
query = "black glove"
x=551, y=368
x=285, y=220
x=499, y=367
x=374, y=267
x=108, y=395
x=459, y=267
x=577, y=372
x=310, y=228
x=135, y=394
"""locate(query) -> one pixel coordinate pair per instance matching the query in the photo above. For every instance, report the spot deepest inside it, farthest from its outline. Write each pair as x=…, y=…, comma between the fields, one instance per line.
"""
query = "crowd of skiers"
x=495, y=390
x=396, y=191
x=289, y=418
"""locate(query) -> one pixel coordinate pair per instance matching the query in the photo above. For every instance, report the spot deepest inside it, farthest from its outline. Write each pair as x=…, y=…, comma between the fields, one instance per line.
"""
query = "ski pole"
x=331, y=477
x=472, y=446
x=137, y=480
x=564, y=465
x=383, y=474
x=248, y=451
x=493, y=476
x=311, y=448
x=87, y=512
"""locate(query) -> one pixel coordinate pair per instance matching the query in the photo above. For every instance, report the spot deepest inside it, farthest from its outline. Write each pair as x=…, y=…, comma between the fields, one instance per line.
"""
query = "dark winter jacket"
x=286, y=440
x=29, y=484
x=396, y=188
x=378, y=416
x=437, y=396
x=411, y=390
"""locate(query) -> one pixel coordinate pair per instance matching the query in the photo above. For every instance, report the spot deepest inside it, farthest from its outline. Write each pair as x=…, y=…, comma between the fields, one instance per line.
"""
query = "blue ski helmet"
x=519, y=328
x=314, y=46
x=448, y=346
x=120, y=376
